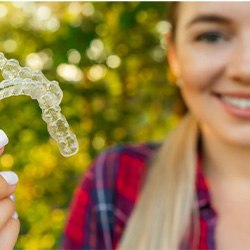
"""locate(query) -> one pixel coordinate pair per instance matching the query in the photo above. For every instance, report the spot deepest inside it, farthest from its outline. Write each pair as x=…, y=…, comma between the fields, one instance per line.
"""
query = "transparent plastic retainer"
x=23, y=81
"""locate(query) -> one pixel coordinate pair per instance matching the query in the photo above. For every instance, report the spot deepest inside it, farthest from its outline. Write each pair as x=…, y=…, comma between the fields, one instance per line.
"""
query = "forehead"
x=232, y=10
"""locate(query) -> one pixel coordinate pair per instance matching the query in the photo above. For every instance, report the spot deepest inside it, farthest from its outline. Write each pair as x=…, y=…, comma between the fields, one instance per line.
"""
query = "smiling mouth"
x=242, y=103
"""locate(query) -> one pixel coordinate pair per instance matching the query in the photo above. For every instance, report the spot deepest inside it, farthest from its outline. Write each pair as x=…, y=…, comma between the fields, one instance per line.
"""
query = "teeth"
x=237, y=102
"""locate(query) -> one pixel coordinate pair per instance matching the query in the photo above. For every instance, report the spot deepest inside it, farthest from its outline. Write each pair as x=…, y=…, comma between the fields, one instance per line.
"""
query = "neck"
x=224, y=160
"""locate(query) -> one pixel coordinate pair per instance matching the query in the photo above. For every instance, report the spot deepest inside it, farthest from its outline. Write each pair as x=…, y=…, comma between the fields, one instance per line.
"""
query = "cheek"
x=200, y=71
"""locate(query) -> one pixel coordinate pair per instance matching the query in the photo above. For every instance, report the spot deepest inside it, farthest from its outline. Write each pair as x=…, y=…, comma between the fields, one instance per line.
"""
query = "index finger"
x=8, y=181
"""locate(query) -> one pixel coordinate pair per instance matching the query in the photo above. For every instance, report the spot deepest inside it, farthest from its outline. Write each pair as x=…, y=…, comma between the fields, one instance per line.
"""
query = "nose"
x=239, y=65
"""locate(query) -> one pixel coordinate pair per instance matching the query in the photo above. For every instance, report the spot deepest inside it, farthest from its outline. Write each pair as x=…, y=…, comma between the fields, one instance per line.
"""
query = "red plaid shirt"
x=106, y=197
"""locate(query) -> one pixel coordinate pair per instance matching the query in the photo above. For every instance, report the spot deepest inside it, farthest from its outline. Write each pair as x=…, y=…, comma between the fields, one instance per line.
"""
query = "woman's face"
x=211, y=56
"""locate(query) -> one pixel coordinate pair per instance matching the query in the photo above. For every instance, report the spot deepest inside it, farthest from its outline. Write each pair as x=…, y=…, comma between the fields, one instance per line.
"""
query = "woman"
x=192, y=192
x=9, y=223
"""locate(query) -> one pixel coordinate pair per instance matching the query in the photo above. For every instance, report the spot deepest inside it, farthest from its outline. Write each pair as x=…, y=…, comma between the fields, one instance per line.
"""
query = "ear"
x=172, y=55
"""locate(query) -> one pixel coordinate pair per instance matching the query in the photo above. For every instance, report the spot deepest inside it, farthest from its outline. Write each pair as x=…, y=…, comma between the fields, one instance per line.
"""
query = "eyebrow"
x=209, y=18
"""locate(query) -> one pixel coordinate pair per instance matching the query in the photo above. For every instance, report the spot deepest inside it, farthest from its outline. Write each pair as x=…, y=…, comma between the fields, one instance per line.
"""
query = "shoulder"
x=138, y=151
x=121, y=162
x=119, y=171
x=106, y=196
x=134, y=161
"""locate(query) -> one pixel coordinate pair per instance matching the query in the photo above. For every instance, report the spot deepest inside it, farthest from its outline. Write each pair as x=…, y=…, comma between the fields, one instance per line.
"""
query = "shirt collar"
x=203, y=196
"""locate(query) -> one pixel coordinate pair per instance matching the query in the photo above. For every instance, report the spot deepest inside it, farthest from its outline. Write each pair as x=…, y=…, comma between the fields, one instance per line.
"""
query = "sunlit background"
x=109, y=58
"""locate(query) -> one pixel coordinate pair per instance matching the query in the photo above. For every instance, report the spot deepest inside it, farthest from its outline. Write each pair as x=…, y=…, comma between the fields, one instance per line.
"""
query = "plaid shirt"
x=106, y=197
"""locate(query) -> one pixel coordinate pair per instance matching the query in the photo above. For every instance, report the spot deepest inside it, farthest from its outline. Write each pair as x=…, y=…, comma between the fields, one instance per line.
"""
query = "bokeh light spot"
x=113, y=61
x=3, y=11
x=95, y=50
x=96, y=72
x=98, y=141
x=43, y=13
x=88, y=9
x=163, y=27
x=7, y=161
x=10, y=45
x=53, y=24
x=34, y=61
x=69, y=72
x=74, y=56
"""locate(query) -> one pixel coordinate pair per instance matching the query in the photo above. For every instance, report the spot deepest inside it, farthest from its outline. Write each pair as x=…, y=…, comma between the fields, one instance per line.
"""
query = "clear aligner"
x=23, y=81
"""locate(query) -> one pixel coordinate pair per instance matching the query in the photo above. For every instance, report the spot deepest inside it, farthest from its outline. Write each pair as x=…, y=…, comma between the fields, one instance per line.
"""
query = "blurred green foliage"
x=109, y=58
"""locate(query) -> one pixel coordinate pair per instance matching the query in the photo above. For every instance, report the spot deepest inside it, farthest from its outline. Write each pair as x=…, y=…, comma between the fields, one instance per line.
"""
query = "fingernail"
x=15, y=215
x=3, y=139
x=10, y=177
x=12, y=197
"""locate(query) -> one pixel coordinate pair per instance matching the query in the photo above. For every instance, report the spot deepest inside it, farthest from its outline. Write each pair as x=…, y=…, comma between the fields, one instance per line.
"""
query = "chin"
x=240, y=141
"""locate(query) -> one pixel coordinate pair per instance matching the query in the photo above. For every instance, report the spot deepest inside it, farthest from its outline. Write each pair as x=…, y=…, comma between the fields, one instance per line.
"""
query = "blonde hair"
x=162, y=215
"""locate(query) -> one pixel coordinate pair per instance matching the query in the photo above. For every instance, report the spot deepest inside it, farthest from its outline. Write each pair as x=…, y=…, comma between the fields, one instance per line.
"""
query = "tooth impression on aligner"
x=23, y=81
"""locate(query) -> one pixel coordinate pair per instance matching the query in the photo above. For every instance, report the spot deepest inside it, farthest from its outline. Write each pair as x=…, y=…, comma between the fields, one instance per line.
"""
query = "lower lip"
x=238, y=112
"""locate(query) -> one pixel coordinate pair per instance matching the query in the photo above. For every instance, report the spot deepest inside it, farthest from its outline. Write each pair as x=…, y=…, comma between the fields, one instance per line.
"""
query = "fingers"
x=8, y=181
x=9, y=223
x=9, y=234
x=7, y=208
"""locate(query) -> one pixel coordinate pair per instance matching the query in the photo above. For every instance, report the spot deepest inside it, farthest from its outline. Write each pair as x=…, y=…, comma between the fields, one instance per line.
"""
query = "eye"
x=210, y=37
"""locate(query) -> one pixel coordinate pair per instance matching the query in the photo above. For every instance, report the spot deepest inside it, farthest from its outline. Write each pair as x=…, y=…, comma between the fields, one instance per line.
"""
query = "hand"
x=9, y=223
